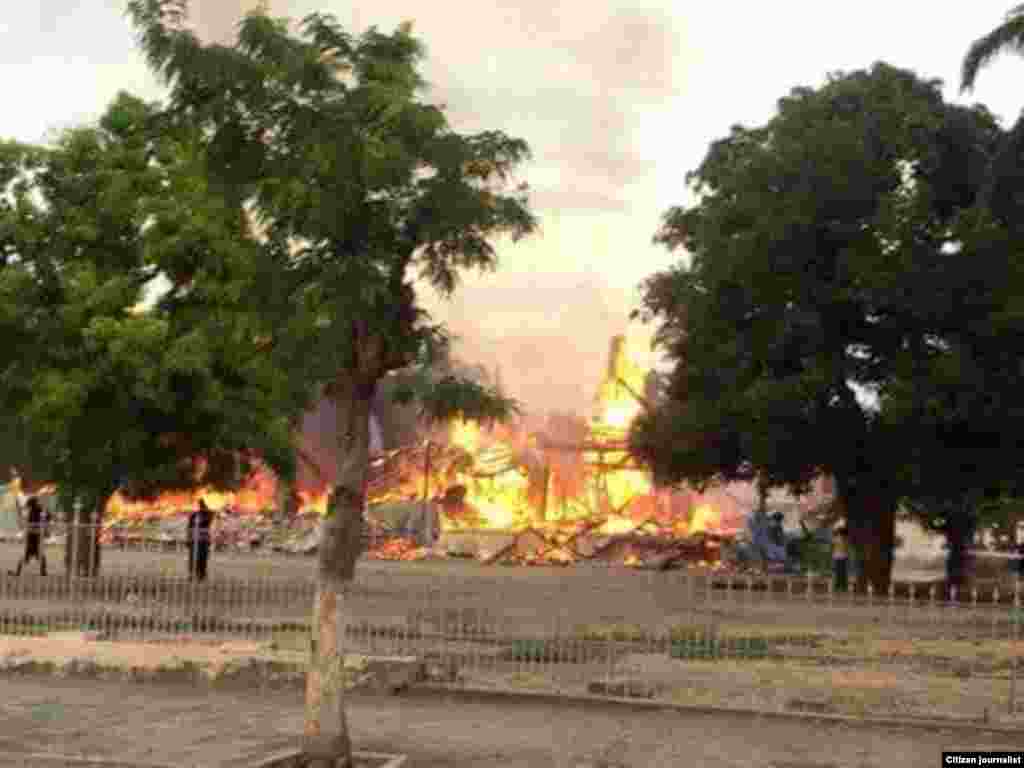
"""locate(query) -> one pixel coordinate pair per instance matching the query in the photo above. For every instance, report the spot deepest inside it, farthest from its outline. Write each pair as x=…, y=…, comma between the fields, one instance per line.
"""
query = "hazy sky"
x=617, y=100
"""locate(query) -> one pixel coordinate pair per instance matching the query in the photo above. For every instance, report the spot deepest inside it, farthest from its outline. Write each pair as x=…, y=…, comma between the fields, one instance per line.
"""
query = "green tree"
x=360, y=184
x=955, y=397
x=108, y=396
x=819, y=253
x=1003, y=193
x=1008, y=37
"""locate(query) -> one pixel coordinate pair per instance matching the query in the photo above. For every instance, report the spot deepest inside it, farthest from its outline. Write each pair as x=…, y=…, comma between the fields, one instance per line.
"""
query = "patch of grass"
x=691, y=632
x=988, y=655
x=716, y=648
x=702, y=695
x=29, y=630
x=283, y=640
x=538, y=651
x=851, y=691
x=632, y=633
x=529, y=681
x=391, y=631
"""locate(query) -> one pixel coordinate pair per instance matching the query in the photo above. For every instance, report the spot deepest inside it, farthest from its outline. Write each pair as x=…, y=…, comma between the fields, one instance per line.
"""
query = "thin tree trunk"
x=286, y=504
x=960, y=529
x=871, y=521
x=326, y=740
x=82, y=549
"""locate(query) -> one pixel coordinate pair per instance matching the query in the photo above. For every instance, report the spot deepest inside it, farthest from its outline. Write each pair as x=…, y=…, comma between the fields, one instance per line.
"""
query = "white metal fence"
x=704, y=639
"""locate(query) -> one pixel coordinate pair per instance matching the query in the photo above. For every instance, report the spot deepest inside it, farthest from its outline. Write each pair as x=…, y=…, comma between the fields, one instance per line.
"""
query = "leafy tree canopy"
x=825, y=262
x=325, y=136
x=109, y=394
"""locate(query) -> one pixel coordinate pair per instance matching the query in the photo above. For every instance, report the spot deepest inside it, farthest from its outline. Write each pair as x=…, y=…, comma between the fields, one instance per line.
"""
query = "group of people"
x=36, y=523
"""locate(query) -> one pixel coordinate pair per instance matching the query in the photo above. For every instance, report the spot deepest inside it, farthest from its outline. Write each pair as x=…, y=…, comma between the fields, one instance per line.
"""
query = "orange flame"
x=505, y=478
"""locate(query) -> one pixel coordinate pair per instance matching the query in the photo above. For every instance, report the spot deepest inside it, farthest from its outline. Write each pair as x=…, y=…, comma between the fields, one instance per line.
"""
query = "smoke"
x=216, y=21
x=579, y=81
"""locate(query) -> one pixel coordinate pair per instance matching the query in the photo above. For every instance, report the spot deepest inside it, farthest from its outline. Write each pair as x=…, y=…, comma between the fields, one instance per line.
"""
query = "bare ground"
x=178, y=726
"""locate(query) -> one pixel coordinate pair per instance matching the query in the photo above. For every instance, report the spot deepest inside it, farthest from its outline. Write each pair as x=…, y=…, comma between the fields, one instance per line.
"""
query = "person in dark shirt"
x=776, y=531
x=199, y=541
x=35, y=531
x=840, y=559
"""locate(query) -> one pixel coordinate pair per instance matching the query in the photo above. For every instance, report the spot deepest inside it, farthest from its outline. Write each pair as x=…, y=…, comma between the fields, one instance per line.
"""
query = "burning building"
x=554, y=491
x=559, y=488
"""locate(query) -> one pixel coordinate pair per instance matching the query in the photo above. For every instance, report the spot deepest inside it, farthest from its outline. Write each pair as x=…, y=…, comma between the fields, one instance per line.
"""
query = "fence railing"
x=297, y=538
x=697, y=638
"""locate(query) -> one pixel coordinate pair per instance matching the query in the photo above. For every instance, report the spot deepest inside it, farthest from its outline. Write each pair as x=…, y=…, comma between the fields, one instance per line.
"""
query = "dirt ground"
x=265, y=563
x=176, y=725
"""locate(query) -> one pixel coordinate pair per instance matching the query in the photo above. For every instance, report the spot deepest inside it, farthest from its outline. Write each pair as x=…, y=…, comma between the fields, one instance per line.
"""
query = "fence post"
x=1013, y=646
x=973, y=620
x=611, y=658
x=72, y=538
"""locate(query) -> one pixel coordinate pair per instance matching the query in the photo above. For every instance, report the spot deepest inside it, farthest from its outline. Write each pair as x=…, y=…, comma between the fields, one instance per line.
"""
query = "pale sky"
x=617, y=100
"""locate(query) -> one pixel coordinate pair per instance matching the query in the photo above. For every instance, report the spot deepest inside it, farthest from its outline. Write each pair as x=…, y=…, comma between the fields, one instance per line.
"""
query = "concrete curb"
x=382, y=677
x=72, y=761
x=285, y=759
x=249, y=674
x=927, y=724
x=292, y=759
x=382, y=674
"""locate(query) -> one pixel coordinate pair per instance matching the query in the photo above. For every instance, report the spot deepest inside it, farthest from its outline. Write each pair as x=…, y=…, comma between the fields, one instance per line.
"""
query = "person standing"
x=35, y=531
x=840, y=559
x=199, y=541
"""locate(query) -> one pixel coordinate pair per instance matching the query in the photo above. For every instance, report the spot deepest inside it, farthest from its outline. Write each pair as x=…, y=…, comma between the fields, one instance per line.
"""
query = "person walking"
x=199, y=541
x=841, y=559
x=36, y=529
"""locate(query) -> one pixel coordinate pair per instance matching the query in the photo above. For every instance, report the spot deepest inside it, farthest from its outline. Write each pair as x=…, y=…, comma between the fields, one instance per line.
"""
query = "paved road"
x=185, y=727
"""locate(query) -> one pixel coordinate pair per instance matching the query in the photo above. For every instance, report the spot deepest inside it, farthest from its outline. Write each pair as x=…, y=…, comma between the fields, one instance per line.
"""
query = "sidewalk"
x=182, y=726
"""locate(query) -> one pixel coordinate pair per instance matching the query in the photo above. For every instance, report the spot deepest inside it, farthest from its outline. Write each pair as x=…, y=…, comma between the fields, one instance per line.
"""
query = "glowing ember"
x=615, y=526
x=397, y=549
x=314, y=501
x=619, y=415
x=705, y=519
x=465, y=434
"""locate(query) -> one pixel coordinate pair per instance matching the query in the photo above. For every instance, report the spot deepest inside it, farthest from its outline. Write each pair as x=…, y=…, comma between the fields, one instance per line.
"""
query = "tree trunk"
x=960, y=529
x=286, y=501
x=82, y=550
x=871, y=522
x=326, y=741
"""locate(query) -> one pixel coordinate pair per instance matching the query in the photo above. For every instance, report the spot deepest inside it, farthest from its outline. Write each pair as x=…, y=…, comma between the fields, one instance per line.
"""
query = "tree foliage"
x=109, y=394
x=1008, y=37
x=824, y=274
x=443, y=389
x=326, y=136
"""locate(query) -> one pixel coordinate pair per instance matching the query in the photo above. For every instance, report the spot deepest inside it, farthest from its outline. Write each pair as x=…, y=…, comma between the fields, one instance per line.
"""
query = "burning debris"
x=563, y=491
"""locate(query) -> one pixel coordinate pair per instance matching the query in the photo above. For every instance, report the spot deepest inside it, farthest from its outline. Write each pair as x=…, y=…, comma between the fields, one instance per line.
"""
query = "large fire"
x=553, y=479
x=257, y=495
